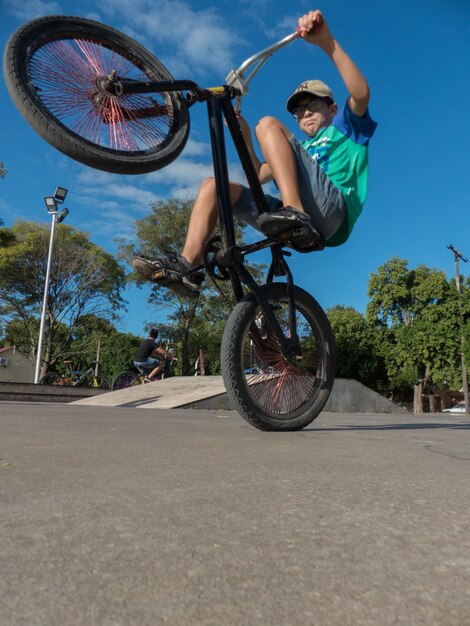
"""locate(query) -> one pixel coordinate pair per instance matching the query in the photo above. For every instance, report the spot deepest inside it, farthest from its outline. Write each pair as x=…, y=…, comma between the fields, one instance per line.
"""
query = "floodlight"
x=60, y=194
x=61, y=215
x=51, y=204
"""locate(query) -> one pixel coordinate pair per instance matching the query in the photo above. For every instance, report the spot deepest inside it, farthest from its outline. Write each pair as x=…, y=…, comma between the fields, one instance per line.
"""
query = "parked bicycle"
x=76, y=378
x=103, y=99
x=131, y=378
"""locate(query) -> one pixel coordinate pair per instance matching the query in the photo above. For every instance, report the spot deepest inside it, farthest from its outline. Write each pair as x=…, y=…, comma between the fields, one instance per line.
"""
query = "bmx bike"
x=103, y=99
x=76, y=378
x=130, y=378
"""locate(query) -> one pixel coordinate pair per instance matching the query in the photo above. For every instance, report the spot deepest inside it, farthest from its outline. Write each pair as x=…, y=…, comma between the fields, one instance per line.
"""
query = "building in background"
x=15, y=367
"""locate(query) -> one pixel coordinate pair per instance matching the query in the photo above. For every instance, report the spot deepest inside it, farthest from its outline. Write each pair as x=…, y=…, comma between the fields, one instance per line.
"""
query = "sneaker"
x=272, y=224
x=171, y=271
x=148, y=380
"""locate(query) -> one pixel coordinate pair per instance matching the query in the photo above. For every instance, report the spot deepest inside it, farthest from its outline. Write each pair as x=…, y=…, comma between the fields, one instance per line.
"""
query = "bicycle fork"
x=290, y=345
x=232, y=256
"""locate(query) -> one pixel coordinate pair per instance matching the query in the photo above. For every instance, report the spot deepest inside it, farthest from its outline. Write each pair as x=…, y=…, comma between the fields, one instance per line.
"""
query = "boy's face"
x=314, y=113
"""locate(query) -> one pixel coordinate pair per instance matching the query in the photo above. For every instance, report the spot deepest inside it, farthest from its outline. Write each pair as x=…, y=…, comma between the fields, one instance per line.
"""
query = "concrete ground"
x=115, y=516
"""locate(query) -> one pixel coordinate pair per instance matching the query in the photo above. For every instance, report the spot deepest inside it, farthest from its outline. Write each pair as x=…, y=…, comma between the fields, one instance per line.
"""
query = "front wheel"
x=266, y=389
x=60, y=73
x=125, y=379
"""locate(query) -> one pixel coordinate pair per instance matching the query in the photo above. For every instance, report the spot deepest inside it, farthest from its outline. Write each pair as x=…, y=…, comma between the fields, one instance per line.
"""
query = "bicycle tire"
x=124, y=380
x=267, y=391
x=103, y=383
x=54, y=68
x=52, y=378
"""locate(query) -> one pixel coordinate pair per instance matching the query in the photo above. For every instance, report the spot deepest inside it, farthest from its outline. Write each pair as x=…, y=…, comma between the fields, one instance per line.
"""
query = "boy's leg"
x=173, y=271
x=155, y=371
x=203, y=219
x=274, y=140
x=312, y=204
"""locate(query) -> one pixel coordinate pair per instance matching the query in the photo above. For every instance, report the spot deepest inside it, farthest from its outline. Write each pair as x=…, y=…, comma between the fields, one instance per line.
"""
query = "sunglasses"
x=312, y=106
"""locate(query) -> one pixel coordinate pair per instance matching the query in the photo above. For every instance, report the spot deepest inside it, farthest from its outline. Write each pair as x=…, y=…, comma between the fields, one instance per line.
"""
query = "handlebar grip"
x=319, y=22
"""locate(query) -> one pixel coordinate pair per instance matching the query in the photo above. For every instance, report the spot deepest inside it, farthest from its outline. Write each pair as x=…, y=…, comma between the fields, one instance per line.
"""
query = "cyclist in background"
x=146, y=356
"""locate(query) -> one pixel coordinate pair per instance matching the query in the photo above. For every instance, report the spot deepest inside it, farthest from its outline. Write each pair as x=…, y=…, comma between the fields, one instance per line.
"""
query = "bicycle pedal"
x=158, y=275
x=303, y=238
x=299, y=232
x=164, y=275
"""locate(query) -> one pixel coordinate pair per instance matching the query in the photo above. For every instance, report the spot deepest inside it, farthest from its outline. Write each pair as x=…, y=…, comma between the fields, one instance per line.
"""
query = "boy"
x=146, y=354
x=322, y=182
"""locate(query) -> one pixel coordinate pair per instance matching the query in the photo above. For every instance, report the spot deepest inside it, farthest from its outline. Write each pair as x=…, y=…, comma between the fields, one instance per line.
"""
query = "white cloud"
x=283, y=27
x=196, y=40
x=182, y=170
x=184, y=176
x=28, y=9
x=191, y=42
x=260, y=12
x=117, y=201
x=196, y=148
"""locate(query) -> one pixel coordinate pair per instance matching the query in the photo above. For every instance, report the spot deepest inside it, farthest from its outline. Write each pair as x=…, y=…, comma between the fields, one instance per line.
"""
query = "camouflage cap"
x=313, y=87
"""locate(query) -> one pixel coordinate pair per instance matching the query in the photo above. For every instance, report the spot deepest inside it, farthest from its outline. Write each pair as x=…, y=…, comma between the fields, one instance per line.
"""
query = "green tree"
x=357, y=352
x=420, y=310
x=84, y=279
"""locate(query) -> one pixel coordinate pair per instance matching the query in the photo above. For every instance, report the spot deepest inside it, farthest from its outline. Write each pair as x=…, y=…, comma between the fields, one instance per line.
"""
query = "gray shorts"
x=321, y=199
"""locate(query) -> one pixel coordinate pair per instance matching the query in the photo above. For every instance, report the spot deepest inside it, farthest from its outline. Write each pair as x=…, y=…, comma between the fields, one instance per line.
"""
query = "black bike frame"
x=231, y=256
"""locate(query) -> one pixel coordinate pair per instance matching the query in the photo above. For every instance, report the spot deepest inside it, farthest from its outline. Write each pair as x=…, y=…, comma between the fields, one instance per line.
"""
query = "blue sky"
x=415, y=55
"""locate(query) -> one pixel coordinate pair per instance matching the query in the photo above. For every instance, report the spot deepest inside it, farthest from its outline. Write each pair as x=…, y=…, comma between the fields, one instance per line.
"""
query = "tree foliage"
x=357, y=354
x=420, y=310
x=83, y=279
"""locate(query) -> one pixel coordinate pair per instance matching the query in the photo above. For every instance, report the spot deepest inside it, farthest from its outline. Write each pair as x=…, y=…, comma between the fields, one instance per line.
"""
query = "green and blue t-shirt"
x=341, y=150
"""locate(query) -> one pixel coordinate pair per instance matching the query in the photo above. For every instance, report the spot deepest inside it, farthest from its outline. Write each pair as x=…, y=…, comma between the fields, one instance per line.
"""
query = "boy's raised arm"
x=313, y=28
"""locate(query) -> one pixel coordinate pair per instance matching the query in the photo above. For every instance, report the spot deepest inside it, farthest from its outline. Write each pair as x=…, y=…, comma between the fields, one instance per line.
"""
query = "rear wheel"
x=52, y=378
x=58, y=69
x=125, y=379
x=267, y=390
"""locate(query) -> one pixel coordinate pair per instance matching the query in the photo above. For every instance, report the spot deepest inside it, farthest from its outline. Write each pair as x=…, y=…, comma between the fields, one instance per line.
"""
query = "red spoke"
x=278, y=386
x=66, y=75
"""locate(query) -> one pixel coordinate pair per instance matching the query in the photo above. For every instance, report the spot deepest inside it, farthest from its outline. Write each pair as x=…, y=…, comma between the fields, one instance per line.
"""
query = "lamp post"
x=458, y=255
x=52, y=203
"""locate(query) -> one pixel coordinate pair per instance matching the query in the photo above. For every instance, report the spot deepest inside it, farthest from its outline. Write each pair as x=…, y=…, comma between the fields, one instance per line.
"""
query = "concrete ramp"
x=208, y=392
x=169, y=393
x=350, y=396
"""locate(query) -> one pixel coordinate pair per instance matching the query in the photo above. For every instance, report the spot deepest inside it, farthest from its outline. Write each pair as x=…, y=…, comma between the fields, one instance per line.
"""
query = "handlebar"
x=236, y=78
